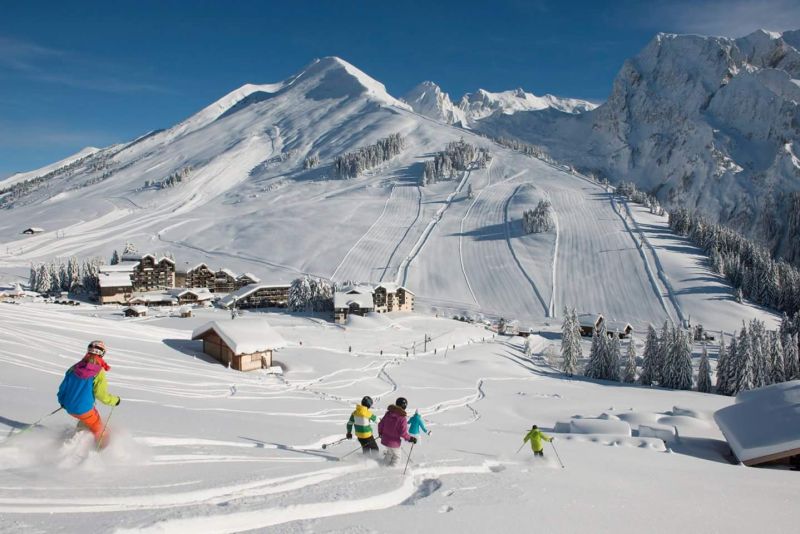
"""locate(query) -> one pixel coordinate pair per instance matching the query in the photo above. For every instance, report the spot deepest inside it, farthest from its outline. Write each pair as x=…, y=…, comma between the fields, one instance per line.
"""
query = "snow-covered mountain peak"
x=336, y=78
x=428, y=99
x=482, y=103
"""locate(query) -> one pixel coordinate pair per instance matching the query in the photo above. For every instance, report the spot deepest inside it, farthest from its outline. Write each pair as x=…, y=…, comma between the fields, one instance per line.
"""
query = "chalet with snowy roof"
x=135, y=311
x=356, y=300
x=390, y=297
x=620, y=328
x=33, y=230
x=154, y=273
x=258, y=296
x=200, y=276
x=589, y=322
x=224, y=281
x=193, y=295
x=153, y=298
x=115, y=287
x=241, y=344
x=246, y=279
x=762, y=426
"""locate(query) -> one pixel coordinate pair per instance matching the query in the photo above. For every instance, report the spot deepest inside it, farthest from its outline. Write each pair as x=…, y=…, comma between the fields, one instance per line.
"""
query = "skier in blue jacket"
x=415, y=424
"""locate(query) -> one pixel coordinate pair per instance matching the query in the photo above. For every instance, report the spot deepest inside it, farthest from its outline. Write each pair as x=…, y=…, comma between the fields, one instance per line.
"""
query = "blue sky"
x=96, y=73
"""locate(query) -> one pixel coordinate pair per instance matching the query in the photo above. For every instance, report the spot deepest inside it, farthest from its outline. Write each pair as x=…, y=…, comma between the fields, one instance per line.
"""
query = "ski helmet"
x=401, y=403
x=534, y=427
x=366, y=402
x=97, y=348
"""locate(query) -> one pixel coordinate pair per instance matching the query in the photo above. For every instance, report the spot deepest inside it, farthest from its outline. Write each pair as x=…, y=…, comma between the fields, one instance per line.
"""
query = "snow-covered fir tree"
x=760, y=351
x=629, y=374
x=744, y=365
x=677, y=371
x=613, y=358
x=651, y=368
x=73, y=273
x=664, y=344
x=777, y=368
x=538, y=219
x=704, y=373
x=90, y=275
x=576, y=336
x=600, y=356
x=569, y=357
x=311, y=161
x=115, y=258
x=791, y=362
x=722, y=367
x=32, y=274
x=352, y=164
x=456, y=157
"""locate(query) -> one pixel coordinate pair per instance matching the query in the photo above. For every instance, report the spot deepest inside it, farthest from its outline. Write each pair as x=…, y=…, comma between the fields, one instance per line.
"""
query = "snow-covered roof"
x=243, y=336
x=33, y=229
x=392, y=287
x=343, y=300
x=166, y=259
x=137, y=309
x=617, y=326
x=245, y=291
x=197, y=267
x=121, y=267
x=202, y=293
x=228, y=272
x=588, y=320
x=764, y=423
x=114, y=280
x=249, y=276
x=358, y=288
x=153, y=296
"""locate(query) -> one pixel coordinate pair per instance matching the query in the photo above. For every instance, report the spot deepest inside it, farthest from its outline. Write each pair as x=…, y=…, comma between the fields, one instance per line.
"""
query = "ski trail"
x=553, y=307
x=408, y=230
x=514, y=254
x=360, y=239
x=415, y=250
x=267, y=517
x=659, y=291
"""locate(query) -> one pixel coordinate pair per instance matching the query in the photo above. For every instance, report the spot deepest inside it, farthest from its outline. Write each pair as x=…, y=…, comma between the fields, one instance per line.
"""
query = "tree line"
x=352, y=164
x=66, y=275
x=172, y=180
x=748, y=266
x=311, y=294
x=457, y=157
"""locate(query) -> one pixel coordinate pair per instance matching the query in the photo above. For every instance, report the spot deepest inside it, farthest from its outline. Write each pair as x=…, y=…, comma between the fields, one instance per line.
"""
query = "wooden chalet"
x=200, y=276
x=135, y=311
x=241, y=344
x=224, y=281
x=258, y=296
x=191, y=295
x=390, y=297
x=620, y=328
x=589, y=322
x=153, y=273
x=153, y=298
x=115, y=287
x=246, y=279
x=356, y=300
x=33, y=230
x=762, y=427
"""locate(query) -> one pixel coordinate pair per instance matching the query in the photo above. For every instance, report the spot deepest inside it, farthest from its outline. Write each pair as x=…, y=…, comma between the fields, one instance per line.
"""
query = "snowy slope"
x=22, y=176
x=249, y=204
x=197, y=447
x=705, y=122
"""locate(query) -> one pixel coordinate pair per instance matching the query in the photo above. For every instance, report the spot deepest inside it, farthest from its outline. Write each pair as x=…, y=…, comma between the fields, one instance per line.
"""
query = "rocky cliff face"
x=706, y=122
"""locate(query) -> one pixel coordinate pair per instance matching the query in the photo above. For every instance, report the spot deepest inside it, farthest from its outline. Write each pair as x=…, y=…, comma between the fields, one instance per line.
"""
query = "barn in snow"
x=242, y=344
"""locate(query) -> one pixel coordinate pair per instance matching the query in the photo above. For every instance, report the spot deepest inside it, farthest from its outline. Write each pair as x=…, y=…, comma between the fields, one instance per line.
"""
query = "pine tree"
x=576, y=337
x=569, y=358
x=704, y=373
x=613, y=357
x=73, y=273
x=761, y=370
x=744, y=368
x=629, y=374
x=43, y=281
x=594, y=367
x=32, y=274
x=677, y=372
x=664, y=343
x=776, y=359
x=115, y=258
x=650, y=367
x=790, y=359
x=723, y=367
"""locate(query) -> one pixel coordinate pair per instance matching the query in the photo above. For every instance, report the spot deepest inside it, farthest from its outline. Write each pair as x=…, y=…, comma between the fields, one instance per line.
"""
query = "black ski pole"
x=408, y=459
x=557, y=456
x=36, y=423
x=331, y=444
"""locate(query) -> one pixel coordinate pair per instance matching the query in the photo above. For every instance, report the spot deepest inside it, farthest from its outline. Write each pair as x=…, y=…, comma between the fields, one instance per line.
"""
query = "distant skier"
x=361, y=420
x=393, y=428
x=84, y=383
x=535, y=436
x=416, y=424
